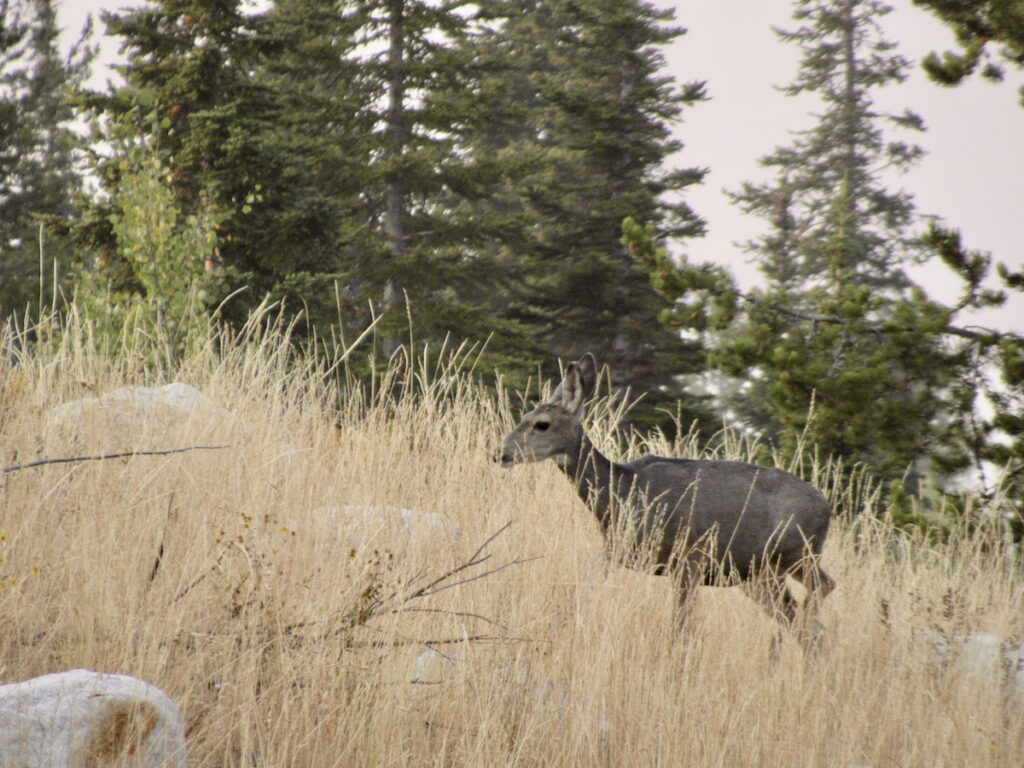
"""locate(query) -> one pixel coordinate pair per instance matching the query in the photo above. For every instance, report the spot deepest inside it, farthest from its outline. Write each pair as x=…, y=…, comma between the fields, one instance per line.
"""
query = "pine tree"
x=996, y=440
x=214, y=91
x=38, y=177
x=322, y=142
x=840, y=250
x=978, y=24
x=838, y=323
x=894, y=379
x=581, y=125
x=425, y=254
x=992, y=437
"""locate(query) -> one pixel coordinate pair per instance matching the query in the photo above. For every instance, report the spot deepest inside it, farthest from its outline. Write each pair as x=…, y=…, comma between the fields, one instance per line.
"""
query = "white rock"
x=81, y=718
x=355, y=523
x=121, y=418
x=431, y=667
x=989, y=656
x=175, y=395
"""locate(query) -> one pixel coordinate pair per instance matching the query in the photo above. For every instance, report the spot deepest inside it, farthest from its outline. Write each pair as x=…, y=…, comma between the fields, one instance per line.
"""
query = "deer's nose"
x=503, y=457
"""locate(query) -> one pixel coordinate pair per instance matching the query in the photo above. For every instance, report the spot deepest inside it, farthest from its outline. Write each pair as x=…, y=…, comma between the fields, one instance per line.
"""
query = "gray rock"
x=987, y=656
x=81, y=717
x=126, y=416
x=354, y=524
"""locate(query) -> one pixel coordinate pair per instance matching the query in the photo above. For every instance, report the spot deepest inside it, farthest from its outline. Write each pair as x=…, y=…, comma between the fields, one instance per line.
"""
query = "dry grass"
x=264, y=617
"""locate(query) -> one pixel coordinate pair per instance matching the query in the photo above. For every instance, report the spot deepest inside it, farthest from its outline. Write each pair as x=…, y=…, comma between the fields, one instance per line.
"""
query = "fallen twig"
x=102, y=456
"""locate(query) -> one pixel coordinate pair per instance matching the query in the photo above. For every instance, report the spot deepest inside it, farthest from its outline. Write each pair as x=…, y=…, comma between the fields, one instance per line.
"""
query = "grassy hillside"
x=269, y=587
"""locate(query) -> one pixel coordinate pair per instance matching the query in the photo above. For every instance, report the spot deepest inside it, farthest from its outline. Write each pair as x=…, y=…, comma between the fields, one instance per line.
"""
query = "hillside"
x=278, y=587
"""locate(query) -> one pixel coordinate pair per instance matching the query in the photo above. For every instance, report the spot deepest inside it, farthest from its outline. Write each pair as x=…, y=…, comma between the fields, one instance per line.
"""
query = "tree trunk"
x=395, y=210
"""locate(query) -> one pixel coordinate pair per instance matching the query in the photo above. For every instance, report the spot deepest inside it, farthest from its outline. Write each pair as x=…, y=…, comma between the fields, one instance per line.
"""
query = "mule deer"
x=716, y=523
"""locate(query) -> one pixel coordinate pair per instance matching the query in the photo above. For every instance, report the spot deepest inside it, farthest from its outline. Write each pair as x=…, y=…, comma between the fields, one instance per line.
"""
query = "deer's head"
x=552, y=428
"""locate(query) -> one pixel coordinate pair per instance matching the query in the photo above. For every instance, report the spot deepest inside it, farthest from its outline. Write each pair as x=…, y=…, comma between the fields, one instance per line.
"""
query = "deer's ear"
x=577, y=384
x=571, y=390
x=586, y=366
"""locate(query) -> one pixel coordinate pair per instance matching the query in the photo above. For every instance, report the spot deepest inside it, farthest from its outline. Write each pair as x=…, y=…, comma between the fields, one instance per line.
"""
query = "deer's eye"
x=540, y=426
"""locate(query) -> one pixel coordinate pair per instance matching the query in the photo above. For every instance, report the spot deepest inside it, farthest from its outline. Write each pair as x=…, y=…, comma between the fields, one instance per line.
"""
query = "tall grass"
x=244, y=582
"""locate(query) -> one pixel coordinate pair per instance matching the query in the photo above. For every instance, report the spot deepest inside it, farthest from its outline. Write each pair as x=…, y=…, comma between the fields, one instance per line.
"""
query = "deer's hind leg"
x=768, y=589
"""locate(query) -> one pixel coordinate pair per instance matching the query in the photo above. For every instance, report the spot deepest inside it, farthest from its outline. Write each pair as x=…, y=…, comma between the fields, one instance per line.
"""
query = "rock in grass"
x=133, y=416
x=80, y=718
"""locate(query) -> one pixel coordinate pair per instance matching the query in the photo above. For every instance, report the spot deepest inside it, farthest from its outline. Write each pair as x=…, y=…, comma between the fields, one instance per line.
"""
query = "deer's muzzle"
x=504, y=456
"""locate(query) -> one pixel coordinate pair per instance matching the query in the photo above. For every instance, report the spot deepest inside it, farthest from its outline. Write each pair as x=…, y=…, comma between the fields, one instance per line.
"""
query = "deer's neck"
x=597, y=479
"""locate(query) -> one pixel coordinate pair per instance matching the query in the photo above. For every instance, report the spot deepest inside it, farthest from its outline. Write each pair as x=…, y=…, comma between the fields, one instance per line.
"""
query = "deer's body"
x=704, y=522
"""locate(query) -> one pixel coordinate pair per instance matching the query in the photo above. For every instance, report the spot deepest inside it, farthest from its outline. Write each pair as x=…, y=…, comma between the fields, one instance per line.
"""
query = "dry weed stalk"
x=420, y=586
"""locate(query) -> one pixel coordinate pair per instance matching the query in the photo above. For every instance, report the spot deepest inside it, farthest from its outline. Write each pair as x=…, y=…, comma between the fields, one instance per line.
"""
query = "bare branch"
x=103, y=456
x=396, y=602
x=456, y=614
x=407, y=641
x=472, y=561
x=163, y=538
x=485, y=574
x=982, y=334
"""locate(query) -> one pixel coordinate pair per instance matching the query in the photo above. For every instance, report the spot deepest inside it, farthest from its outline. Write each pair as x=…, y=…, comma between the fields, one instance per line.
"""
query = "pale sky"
x=972, y=176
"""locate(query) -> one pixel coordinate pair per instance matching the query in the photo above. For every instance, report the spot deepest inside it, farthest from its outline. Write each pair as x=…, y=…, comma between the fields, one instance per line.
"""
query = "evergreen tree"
x=38, y=177
x=977, y=24
x=835, y=163
x=996, y=440
x=393, y=149
x=841, y=242
x=838, y=322
x=992, y=437
x=323, y=142
x=213, y=91
x=327, y=135
x=579, y=116
x=425, y=256
x=893, y=379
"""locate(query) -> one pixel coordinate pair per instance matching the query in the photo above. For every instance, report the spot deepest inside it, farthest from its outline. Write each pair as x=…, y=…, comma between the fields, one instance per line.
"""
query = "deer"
x=702, y=522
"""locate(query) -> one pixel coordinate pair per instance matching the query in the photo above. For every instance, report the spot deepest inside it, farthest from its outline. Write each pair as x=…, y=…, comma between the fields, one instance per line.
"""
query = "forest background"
x=510, y=173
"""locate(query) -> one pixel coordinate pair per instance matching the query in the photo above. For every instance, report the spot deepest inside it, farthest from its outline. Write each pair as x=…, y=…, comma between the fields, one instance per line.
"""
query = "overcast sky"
x=972, y=176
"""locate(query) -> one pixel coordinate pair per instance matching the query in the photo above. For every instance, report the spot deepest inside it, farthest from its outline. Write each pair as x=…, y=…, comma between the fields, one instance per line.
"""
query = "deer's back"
x=745, y=510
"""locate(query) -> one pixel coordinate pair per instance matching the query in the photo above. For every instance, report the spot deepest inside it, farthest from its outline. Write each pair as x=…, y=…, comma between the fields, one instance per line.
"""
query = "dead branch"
x=103, y=456
x=410, y=641
x=485, y=574
x=397, y=601
x=471, y=562
x=456, y=614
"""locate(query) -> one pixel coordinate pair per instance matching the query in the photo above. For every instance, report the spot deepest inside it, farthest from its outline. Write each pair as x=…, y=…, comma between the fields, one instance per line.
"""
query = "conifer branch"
x=987, y=335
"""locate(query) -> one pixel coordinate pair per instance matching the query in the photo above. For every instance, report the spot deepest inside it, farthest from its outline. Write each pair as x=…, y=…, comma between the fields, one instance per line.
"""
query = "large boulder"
x=996, y=660
x=356, y=524
x=134, y=417
x=83, y=718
